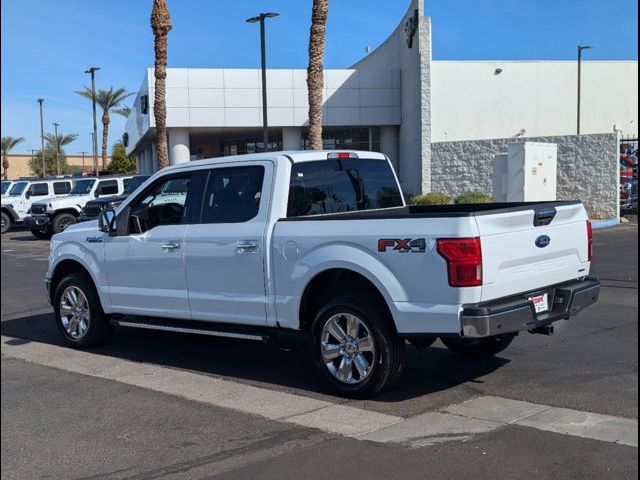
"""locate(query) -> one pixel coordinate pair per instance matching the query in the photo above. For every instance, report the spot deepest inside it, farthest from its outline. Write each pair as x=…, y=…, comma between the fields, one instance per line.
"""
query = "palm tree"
x=315, y=72
x=56, y=142
x=124, y=111
x=8, y=144
x=108, y=100
x=160, y=24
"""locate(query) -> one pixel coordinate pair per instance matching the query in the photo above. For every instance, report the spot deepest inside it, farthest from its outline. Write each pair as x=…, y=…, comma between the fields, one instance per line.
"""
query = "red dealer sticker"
x=541, y=303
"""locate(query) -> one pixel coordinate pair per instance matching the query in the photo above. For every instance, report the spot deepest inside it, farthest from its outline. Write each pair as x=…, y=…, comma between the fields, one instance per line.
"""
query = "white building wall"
x=471, y=102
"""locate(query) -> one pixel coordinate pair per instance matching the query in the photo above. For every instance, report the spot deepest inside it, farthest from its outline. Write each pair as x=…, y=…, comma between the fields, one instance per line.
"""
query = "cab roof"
x=286, y=156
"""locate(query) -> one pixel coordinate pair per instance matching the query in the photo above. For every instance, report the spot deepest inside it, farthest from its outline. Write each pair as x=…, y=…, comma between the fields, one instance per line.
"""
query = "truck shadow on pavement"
x=282, y=364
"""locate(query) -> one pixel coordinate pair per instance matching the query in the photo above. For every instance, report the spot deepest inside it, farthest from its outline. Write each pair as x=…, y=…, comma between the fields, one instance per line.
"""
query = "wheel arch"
x=335, y=282
x=13, y=216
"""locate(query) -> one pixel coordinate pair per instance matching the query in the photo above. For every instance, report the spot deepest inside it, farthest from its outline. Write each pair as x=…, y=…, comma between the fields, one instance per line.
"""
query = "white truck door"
x=225, y=251
x=146, y=266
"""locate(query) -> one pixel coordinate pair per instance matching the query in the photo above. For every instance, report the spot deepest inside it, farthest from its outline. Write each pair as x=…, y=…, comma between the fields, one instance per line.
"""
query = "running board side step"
x=192, y=327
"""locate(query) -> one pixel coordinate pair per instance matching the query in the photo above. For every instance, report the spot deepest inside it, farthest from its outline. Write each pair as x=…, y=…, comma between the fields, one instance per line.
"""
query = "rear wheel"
x=6, y=223
x=354, y=348
x=43, y=233
x=62, y=221
x=479, y=347
x=79, y=315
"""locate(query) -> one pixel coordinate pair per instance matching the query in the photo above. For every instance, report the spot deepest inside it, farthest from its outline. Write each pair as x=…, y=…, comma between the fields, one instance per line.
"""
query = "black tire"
x=6, y=223
x=387, y=359
x=478, y=347
x=43, y=233
x=62, y=221
x=98, y=329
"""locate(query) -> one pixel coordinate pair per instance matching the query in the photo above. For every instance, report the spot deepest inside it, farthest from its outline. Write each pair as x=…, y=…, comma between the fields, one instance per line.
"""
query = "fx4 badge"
x=417, y=245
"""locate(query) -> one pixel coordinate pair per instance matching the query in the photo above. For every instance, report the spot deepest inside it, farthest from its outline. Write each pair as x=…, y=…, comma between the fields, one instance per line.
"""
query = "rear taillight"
x=590, y=239
x=464, y=260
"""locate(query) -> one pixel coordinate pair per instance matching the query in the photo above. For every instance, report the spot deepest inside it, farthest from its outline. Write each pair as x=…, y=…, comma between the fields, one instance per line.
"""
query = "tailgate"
x=515, y=258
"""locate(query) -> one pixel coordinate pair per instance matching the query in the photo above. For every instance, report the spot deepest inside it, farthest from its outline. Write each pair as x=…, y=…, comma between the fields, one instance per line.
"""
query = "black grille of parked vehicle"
x=92, y=209
x=38, y=209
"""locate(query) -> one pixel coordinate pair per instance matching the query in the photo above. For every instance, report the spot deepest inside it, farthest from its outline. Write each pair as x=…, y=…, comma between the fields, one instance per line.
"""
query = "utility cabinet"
x=528, y=173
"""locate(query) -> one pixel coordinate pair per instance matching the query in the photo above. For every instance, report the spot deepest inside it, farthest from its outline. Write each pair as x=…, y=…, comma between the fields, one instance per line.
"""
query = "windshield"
x=132, y=184
x=17, y=189
x=82, y=187
x=5, y=187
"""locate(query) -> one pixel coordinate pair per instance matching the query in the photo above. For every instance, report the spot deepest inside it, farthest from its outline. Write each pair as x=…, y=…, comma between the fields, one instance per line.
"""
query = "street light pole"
x=55, y=127
x=580, y=49
x=83, y=159
x=95, y=160
x=263, y=44
x=92, y=71
x=44, y=163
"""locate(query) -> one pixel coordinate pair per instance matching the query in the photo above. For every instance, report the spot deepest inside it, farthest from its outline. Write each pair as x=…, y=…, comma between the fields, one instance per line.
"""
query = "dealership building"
x=440, y=122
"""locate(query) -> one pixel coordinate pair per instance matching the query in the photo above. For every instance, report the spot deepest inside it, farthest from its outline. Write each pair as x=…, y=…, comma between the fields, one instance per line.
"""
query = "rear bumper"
x=517, y=314
x=37, y=221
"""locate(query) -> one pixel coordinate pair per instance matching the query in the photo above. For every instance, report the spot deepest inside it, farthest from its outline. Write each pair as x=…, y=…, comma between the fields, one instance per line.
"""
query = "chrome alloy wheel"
x=74, y=312
x=348, y=348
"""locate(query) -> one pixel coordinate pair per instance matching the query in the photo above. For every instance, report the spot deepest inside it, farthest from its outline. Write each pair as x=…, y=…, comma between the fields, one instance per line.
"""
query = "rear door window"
x=233, y=195
x=61, y=188
x=108, y=187
x=337, y=186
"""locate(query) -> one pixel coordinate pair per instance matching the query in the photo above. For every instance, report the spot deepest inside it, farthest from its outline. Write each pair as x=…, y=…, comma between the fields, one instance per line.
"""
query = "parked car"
x=629, y=198
x=24, y=193
x=93, y=208
x=321, y=243
x=53, y=215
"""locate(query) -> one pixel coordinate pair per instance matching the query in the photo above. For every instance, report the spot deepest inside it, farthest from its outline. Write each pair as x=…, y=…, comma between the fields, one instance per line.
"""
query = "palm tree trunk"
x=315, y=72
x=5, y=167
x=161, y=24
x=105, y=138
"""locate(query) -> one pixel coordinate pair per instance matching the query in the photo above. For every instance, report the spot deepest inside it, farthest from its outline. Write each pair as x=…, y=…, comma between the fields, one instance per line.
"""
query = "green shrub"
x=472, y=197
x=433, y=198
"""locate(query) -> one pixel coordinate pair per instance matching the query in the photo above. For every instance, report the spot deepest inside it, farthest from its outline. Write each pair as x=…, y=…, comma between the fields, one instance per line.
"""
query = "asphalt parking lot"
x=95, y=415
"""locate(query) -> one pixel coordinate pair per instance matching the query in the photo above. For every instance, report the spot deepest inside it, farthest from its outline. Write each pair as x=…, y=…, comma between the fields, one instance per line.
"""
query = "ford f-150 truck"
x=321, y=243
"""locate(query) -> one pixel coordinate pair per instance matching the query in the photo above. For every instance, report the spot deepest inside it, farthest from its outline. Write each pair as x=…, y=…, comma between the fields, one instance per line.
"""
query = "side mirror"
x=107, y=221
x=27, y=195
x=96, y=194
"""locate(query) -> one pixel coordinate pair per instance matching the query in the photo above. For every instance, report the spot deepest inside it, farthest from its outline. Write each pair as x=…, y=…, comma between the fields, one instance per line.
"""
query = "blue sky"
x=47, y=44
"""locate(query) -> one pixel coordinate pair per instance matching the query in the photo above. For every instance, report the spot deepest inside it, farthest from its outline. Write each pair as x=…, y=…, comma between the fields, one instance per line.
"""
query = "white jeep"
x=53, y=215
x=22, y=194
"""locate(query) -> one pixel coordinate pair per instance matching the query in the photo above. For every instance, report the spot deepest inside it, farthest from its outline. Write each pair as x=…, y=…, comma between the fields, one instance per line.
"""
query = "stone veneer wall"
x=588, y=168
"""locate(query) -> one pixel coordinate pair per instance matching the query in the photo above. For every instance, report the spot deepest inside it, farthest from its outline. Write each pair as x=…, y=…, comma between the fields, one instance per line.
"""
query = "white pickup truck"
x=321, y=243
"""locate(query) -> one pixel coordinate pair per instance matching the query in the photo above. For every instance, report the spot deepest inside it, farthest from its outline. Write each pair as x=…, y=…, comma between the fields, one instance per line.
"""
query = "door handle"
x=170, y=246
x=247, y=246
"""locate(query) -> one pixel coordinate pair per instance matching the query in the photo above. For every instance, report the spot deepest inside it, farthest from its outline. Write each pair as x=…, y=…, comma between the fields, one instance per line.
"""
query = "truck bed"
x=437, y=211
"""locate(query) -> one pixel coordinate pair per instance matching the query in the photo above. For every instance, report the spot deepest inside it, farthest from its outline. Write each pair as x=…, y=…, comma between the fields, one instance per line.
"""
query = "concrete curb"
x=599, y=224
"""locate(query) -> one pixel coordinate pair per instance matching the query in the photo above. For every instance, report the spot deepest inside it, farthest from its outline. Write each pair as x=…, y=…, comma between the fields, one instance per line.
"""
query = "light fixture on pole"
x=44, y=163
x=57, y=146
x=580, y=49
x=92, y=71
x=265, y=123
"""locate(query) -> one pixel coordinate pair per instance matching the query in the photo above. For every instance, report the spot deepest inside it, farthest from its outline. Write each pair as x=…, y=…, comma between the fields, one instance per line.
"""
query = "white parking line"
x=458, y=422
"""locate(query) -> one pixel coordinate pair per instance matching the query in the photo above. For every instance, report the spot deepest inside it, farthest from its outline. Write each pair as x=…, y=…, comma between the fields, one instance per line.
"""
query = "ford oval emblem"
x=543, y=241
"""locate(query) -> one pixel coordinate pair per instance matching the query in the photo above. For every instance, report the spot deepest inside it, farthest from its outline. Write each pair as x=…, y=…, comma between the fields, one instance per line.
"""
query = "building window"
x=347, y=138
x=244, y=145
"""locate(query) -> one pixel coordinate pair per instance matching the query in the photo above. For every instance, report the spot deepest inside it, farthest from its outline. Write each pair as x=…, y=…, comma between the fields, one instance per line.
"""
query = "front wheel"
x=479, y=347
x=62, y=221
x=43, y=233
x=6, y=223
x=355, y=350
x=78, y=312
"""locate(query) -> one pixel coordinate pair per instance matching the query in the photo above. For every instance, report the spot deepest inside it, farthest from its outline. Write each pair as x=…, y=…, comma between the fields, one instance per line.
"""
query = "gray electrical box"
x=528, y=173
